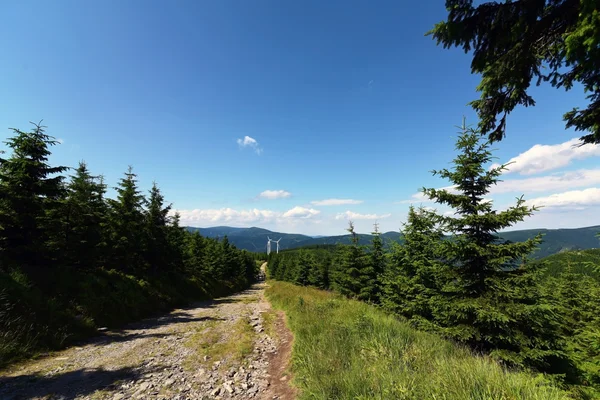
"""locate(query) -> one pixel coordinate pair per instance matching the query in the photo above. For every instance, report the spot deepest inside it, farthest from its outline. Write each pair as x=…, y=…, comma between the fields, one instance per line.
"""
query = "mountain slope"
x=255, y=239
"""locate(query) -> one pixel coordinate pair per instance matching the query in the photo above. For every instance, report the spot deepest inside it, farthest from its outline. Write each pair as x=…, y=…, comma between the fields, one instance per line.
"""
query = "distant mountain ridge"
x=255, y=239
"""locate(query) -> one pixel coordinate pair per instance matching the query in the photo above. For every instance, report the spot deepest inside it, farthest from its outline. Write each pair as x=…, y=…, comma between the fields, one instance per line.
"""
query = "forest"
x=455, y=277
x=73, y=260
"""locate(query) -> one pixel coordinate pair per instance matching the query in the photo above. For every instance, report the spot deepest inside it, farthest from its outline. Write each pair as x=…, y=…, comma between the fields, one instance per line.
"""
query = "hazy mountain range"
x=255, y=239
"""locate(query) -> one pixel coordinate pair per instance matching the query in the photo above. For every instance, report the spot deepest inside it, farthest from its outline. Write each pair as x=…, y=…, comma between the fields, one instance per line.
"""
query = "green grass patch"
x=217, y=342
x=346, y=349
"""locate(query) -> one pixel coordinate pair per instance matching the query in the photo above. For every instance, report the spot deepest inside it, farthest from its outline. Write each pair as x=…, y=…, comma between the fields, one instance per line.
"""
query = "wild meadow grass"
x=346, y=349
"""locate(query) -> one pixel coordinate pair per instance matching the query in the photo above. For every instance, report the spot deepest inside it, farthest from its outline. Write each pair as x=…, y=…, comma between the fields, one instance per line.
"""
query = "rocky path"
x=235, y=347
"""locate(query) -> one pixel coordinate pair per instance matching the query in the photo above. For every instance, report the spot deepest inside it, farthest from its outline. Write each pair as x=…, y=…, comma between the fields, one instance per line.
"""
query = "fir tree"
x=30, y=191
x=127, y=223
x=305, y=265
x=491, y=295
x=156, y=219
x=84, y=219
x=350, y=277
x=176, y=239
x=412, y=278
x=377, y=265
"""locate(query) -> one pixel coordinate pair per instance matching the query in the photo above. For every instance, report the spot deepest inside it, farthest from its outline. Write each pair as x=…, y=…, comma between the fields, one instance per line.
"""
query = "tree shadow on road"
x=65, y=386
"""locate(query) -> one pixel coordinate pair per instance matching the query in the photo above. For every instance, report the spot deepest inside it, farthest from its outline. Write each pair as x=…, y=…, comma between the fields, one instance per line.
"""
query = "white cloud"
x=335, y=202
x=225, y=215
x=415, y=198
x=301, y=212
x=274, y=194
x=60, y=140
x=577, y=199
x=542, y=158
x=563, y=181
x=235, y=217
x=248, y=141
x=548, y=183
x=350, y=215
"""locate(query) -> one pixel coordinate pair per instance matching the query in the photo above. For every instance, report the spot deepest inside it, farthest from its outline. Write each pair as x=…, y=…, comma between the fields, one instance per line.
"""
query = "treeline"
x=454, y=276
x=72, y=260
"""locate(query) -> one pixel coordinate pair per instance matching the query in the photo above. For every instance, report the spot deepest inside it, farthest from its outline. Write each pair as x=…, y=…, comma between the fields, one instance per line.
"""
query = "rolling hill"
x=255, y=239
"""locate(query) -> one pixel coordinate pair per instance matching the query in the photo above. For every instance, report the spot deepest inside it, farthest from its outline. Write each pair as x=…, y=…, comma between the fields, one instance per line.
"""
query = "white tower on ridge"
x=277, y=241
x=269, y=240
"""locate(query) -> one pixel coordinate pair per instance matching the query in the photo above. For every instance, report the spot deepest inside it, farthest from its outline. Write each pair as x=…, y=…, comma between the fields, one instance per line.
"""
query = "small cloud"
x=248, y=141
x=60, y=140
x=301, y=212
x=371, y=83
x=335, y=202
x=274, y=194
x=542, y=158
x=350, y=215
x=415, y=198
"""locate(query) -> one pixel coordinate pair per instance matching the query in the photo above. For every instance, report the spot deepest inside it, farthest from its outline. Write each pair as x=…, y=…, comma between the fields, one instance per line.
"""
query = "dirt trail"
x=235, y=347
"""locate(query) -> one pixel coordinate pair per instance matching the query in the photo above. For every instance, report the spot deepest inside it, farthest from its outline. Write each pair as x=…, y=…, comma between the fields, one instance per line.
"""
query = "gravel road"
x=234, y=347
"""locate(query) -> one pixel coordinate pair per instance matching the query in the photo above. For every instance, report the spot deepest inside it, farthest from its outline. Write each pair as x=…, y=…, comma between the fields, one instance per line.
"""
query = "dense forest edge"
x=73, y=261
x=454, y=276
x=346, y=349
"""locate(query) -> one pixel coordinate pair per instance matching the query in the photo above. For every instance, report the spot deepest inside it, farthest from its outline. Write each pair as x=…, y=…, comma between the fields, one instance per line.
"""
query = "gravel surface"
x=220, y=349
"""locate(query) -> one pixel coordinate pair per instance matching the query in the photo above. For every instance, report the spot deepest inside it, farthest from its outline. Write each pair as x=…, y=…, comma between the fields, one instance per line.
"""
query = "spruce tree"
x=412, y=277
x=350, y=276
x=83, y=220
x=377, y=265
x=30, y=192
x=305, y=265
x=127, y=225
x=491, y=296
x=194, y=255
x=156, y=219
x=176, y=239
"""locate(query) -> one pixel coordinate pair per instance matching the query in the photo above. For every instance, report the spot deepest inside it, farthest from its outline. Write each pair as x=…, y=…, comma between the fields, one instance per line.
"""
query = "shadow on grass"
x=65, y=386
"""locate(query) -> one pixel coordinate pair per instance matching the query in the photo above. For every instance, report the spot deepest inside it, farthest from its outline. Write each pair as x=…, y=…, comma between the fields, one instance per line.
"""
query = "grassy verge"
x=345, y=349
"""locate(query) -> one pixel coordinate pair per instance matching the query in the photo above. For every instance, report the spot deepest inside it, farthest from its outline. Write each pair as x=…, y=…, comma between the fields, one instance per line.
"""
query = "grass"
x=220, y=342
x=345, y=349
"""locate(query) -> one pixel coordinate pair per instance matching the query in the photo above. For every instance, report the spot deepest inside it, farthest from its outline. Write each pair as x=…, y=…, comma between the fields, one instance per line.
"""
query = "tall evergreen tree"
x=176, y=239
x=350, y=277
x=83, y=216
x=30, y=191
x=491, y=295
x=377, y=265
x=127, y=225
x=412, y=277
x=156, y=219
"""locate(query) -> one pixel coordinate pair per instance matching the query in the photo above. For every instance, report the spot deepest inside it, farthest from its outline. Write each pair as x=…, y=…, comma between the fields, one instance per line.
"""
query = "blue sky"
x=340, y=100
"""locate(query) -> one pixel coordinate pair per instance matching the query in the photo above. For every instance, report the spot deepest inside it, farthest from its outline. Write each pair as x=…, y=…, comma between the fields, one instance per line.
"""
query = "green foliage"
x=344, y=349
x=513, y=42
x=127, y=221
x=490, y=296
x=83, y=221
x=456, y=276
x=412, y=278
x=72, y=260
x=30, y=190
